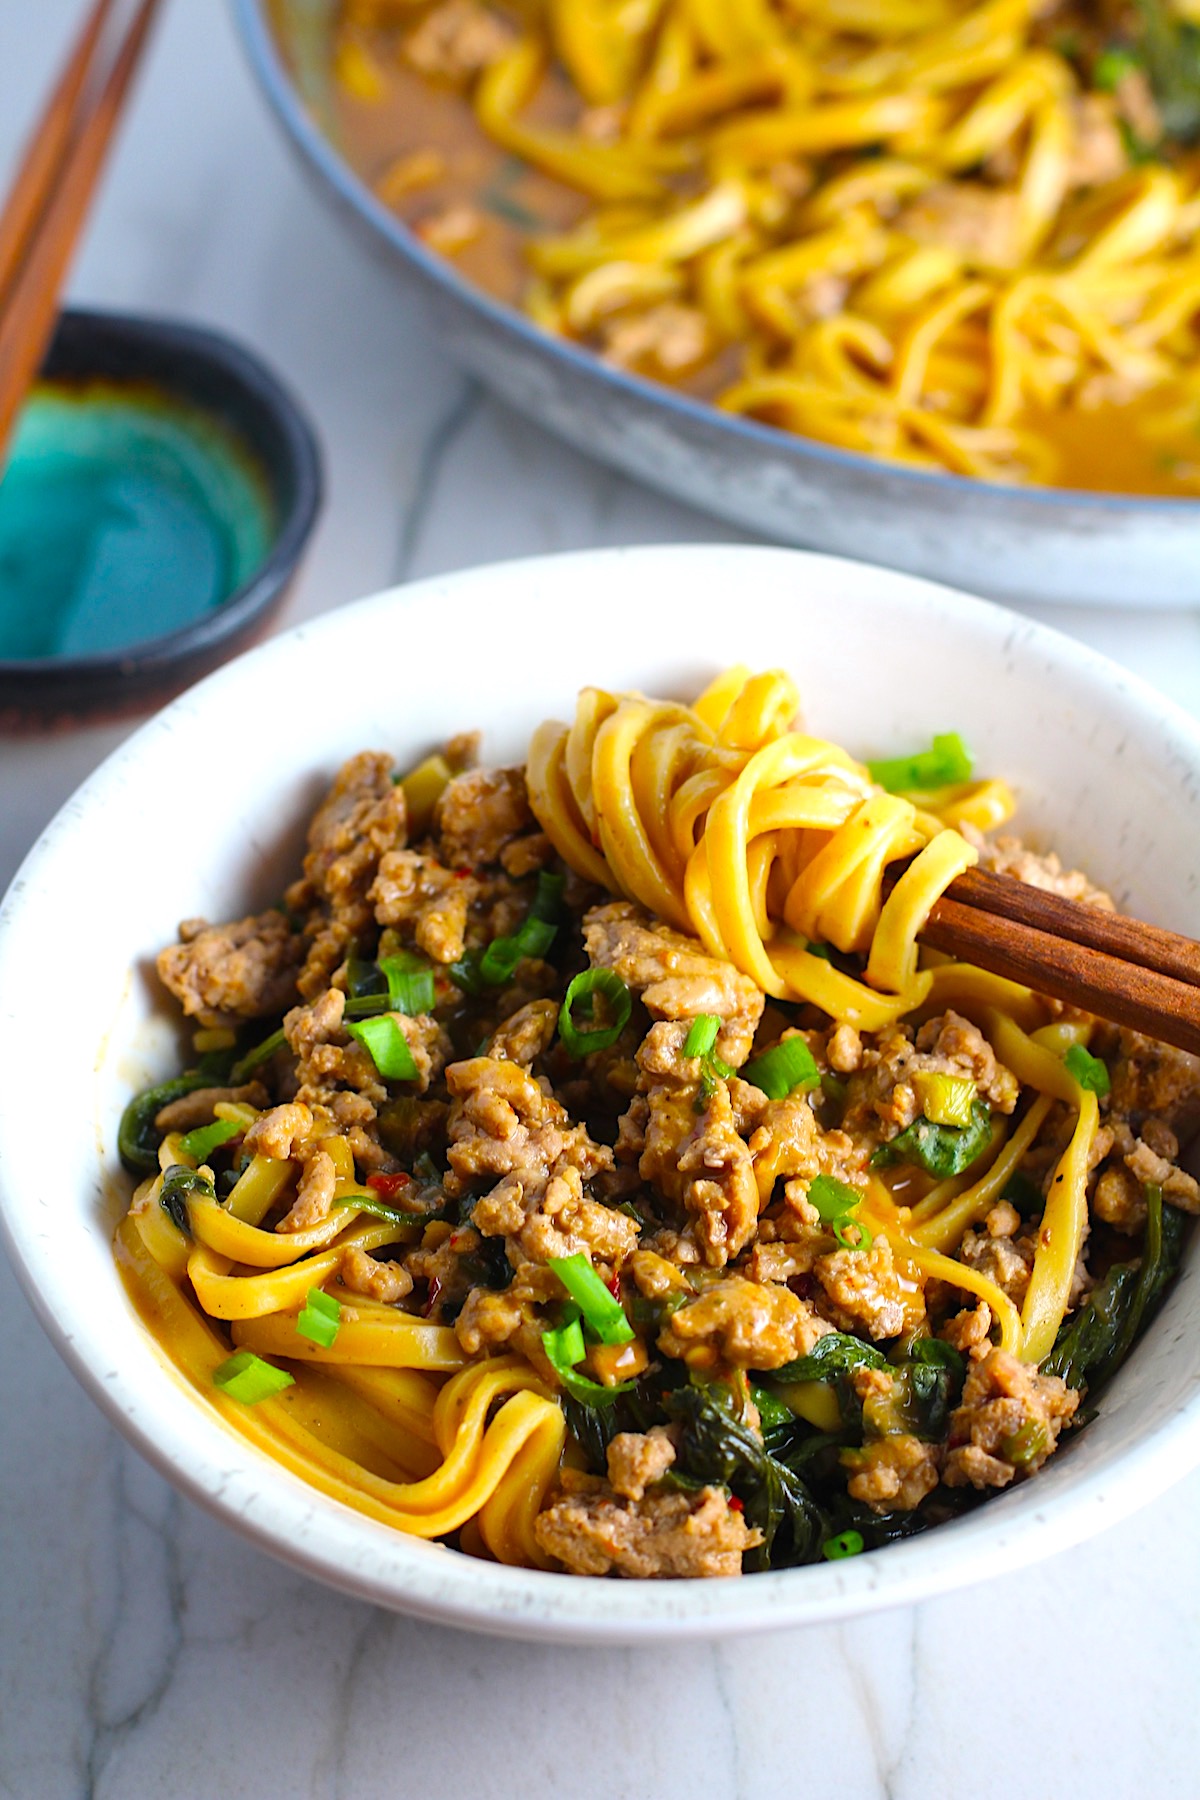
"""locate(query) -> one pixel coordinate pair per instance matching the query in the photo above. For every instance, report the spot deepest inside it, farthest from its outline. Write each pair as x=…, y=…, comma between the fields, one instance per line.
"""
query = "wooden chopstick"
x=1116, y=967
x=48, y=203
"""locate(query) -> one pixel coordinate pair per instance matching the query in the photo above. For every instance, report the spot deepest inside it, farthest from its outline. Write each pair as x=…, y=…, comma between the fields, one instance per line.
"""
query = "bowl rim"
x=177, y=350
x=291, y=1521
x=348, y=187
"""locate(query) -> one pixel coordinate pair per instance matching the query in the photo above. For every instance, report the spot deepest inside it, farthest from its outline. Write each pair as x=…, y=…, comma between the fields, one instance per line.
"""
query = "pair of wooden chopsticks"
x=1110, y=965
x=49, y=199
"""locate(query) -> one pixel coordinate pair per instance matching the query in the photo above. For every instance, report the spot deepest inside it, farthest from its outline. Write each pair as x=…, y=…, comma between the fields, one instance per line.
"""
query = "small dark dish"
x=211, y=379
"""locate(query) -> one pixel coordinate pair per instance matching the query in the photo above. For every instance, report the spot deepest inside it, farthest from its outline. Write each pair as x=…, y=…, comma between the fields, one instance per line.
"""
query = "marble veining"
x=145, y=1650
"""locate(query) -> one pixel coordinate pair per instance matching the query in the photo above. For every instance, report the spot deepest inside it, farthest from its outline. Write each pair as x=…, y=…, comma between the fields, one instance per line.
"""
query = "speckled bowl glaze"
x=1107, y=771
x=1013, y=543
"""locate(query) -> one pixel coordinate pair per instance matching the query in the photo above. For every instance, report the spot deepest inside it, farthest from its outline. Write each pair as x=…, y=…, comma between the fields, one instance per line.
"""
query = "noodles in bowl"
x=207, y=826
x=952, y=234
x=705, y=1227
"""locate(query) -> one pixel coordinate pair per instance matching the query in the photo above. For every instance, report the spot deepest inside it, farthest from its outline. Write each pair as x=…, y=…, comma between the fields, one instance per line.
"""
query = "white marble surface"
x=144, y=1651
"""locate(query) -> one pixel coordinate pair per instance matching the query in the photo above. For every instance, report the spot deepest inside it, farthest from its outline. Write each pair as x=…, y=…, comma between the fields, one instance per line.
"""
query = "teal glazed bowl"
x=162, y=487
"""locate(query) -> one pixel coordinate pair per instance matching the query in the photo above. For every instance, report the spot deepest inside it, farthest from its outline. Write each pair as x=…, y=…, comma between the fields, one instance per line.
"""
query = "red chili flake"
x=463, y=874
x=388, y=1186
x=735, y=1505
x=614, y=1285
x=435, y=1288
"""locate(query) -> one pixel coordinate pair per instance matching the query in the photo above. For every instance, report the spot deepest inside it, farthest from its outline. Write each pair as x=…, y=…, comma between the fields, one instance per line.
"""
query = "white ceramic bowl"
x=202, y=811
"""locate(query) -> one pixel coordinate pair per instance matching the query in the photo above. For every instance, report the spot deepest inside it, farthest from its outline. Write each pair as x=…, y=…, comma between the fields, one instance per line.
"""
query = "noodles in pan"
x=959, y=235
x=624, y=1188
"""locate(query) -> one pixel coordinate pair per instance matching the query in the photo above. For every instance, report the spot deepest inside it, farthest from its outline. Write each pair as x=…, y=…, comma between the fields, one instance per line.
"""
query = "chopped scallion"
x=702, y=1035
x=246, y=1377
x=846, y=1543
x=1087, y=1070
x=945, y=1099
x=560, y=1347
x=201, y=1143
x=832, y=1198
x=410, y=983
x=602, y=1312
x=593, y=983
x=790, y=1065
x=387, y=1046
x=320, y=1317
x=948, y=762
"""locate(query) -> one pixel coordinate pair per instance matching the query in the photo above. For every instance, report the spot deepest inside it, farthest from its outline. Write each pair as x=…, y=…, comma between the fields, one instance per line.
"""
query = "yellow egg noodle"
x=767, y=849
x=920, y=228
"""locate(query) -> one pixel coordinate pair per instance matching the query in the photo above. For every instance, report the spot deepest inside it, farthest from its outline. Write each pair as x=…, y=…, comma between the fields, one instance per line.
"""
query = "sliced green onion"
x=948, y=762
x=548, y=901
x=702, y=1035
x=846, y=1543
x=602, y=1312
x=387, y=1047
x=1111, y=67
x=201, y=1143
x=1025, y=1444
x=781, y=1071
x=865, y=1237
x=560, y=1347
x=945, y=1099
x=246, y=1377
x=320, y=1317
x=610, y=987
x=410, y=983
x=499, y=961
x=566, y=1339
x=1087, y=1069
x=832, y=1198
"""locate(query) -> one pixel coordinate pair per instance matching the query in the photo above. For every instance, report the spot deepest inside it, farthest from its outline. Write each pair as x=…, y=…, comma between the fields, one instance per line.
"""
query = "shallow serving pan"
x=1012, y=543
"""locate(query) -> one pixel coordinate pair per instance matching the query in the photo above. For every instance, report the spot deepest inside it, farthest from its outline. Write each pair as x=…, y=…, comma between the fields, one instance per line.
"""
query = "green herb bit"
x=592, y=984
x=320, y=1318
x=1111, y=67
x=387, y=1046
x=941, y=1150
x=201, y=1143
x=138, y=1137
x=602, y=1312
x=783, y=1069
x=946, y=764
x=837, y=1353
x=1094, y=1344
x=178, y=1183
x=702, y=1035
x=846, y=1543
x=819, y=950
x=773, y=1413
x=246, y=1377
x=1087, y=1070
x=1023, y=1193
x=832, y=1198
